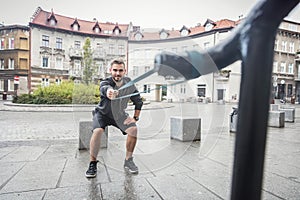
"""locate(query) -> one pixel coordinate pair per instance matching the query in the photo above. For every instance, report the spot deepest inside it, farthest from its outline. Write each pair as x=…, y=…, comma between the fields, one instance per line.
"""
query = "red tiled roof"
x=224, y=23
x=41, y=18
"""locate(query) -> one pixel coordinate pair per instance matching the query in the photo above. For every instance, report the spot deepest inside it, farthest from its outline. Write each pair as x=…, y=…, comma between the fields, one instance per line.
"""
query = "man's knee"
x=132, y=131
x=98, y=131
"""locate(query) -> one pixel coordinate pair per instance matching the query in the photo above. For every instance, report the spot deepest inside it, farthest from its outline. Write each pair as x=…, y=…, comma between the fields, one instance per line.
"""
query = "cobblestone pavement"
x=39, y=157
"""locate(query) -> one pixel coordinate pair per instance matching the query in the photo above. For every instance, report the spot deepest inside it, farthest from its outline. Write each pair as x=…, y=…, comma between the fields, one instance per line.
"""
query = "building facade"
x=144, y=45
x=14, y=60
x=286, y=61
x=57, y=47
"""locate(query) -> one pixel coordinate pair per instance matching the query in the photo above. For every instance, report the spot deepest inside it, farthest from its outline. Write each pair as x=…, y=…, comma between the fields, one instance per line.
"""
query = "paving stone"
x=129, y=188
x=280, y=186
x=36, y=195
x=82, y=192
x=74, y=174
x=25, y=153
x=180, y=187
x=36, y=175
x=214, y=176
x=8, y=170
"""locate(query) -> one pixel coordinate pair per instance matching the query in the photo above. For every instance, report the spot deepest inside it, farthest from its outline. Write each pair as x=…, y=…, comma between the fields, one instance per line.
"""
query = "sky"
x=166, y=14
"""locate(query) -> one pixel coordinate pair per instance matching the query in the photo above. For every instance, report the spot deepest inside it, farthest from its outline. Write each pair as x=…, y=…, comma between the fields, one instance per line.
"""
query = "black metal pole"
x=253, y=43
x=257, y=48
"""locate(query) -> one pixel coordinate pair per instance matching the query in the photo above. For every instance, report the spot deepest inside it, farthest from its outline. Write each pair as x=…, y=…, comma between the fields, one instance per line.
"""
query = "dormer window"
x=138, y=36
x=163, y=34
x=209, y=24
x=52, y=22
x=117, y=30
x=97, y=28
x=184, y=31
x=52, y=19
x=75, y=25
x=208, y=27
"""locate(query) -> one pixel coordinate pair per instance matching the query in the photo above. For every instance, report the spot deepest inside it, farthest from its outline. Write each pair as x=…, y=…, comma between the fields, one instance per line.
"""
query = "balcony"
x=99, y=54
x=222, y=75
x=297, y=57
x=75, y=53
x=45, y=50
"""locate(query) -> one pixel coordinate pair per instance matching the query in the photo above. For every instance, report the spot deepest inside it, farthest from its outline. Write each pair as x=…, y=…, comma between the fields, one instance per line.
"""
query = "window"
x=11, y=85
x=275, y=66
x=45, y=82
x=1, y=85
x=135, y=71
x=45, y=41
x=283, y=46
x=75, y=27
x=206, y=45
x=182, y=88
x=276, y=45
x=163, y=35
x=282, y=67
x=290, y=90
x=11, y=43
x=184, y=32
x=147, y=89
x=174, y=50
x=2, y=44
x=121, y=49
x=292, y=49
x=11, y=63
x=58, y=81
x=59, y=63
x=1, y=63
x=117, y=31
x=59, y=43
x=147, y=68
x=77, y=66
x=111, y=49
x=45, y=62
x=77, y=44
x=292, y=27
x=291, y=68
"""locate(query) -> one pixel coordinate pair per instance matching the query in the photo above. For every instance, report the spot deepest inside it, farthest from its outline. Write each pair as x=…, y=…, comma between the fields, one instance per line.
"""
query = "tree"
x=88, y=62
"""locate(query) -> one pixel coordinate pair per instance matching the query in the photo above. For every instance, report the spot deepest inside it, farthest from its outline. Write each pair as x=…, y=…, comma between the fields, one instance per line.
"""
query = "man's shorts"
x=101, y=121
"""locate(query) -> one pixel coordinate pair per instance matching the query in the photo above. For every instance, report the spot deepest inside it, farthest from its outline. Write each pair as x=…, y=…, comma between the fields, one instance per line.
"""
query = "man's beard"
x=118, y=78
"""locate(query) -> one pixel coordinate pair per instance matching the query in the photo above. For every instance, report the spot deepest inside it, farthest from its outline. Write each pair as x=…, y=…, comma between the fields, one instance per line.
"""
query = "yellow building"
x=14, y=60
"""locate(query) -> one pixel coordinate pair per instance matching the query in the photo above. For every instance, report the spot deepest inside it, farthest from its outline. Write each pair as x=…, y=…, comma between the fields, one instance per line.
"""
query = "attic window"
x=52, y=22
x=163, y=35
x=75, y=27
x=208, y=26
x=138, y=36
x=184, y=32
x=117, y=31
x=97, y=30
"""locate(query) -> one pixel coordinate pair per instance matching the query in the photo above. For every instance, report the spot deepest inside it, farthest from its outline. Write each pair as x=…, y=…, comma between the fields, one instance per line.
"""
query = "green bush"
x=66, y=93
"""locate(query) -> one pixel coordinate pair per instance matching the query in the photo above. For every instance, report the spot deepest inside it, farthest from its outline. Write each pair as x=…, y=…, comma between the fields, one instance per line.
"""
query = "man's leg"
x=95, y=143
x=94, y=149
x=131, y=141
x=130, y=145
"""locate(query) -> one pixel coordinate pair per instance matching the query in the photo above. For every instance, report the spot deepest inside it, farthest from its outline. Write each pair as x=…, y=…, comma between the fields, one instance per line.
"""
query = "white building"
x=145, y=44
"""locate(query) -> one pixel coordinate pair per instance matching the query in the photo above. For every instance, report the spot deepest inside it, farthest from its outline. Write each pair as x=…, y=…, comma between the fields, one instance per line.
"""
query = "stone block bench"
x=185, y=128
x=85, y=134
x=288, y=111
x=289, y=114
x=276, y=119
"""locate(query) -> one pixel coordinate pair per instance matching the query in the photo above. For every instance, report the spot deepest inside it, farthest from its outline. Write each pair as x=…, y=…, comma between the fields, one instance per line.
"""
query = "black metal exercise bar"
x=253, y=43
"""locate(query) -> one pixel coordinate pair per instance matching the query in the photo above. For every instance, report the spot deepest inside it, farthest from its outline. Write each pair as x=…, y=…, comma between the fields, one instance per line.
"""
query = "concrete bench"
x=85, y=134
x=288, y=111
x=276, y=119
x=289, y=114
x=185, y=128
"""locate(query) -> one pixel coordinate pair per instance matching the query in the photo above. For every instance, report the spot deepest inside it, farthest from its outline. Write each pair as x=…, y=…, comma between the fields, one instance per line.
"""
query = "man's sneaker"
x=92, y=170
x=130, y=166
